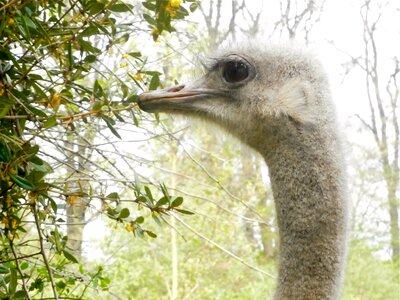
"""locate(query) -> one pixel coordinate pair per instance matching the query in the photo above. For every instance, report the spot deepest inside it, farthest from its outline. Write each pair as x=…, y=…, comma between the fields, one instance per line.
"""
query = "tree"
x=297, y=18
x=383, y=122
x=67, y=84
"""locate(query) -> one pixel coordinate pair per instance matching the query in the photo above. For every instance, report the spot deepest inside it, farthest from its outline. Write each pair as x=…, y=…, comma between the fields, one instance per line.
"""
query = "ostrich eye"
x=235, y=71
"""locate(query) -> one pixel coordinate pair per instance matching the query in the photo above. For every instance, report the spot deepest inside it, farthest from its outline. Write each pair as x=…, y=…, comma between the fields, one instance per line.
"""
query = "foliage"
x=206, y=269
x=62, y=85
x=203, y=267
x=369, y=277
x=163, y=12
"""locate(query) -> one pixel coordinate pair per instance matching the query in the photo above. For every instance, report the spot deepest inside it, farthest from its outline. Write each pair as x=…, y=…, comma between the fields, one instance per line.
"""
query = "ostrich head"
x=253, y=93
x=277, y=100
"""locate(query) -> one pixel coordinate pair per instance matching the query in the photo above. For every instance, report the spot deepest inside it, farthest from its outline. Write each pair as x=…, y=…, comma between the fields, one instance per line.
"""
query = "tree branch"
x=222, y=248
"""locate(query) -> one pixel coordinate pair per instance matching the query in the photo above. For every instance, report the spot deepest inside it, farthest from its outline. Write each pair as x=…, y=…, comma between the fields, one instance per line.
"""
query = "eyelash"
x=214, y=63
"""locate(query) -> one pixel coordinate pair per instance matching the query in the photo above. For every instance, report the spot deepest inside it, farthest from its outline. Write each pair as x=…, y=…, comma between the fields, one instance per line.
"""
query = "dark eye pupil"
x=235, y=71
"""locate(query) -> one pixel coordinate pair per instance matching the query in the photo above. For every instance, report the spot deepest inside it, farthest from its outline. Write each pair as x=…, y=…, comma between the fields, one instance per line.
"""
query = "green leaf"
x=122, y=39
x=181, y=13
x=141, y=199
x=5, y=105
x=149, y=6
x=29, y=22
x=184, y=211
x=139, y=220
x=111, y=127
x=135, y=54
x=148, y=193
x=31, y=149
x=154, y=82
x=139, y=232
x=151, y=73
x=36, y=111
x=113, y=196
x=98, y=105
x=112, y=212
x=177, y=202
x=165, y=190
x=22, y=182
x=57, y=239
x=24, y=265
x=5, y=153
x=61, y=285
x=87, y=46
x=90, y=58
x=94, y=7
x=121, y=7
x=39, y=91
x=91, y=30
x=132, y=98
x=34, y=76
x=40, y=166
x=157, y=220
x=68, y=255
x=98, y=90
x=53, y=204
x=124, y=213
x=20, y=295
x=149, y=19
x=151, y=234
x=193, y=6
x=162, y=201
x=13, y=281
x=9, y=265
x=50, y=122
x=4, y=269
x=101, y=28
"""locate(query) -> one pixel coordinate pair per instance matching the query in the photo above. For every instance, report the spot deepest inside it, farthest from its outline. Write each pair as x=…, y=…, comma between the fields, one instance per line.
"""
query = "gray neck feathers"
x=308, y=186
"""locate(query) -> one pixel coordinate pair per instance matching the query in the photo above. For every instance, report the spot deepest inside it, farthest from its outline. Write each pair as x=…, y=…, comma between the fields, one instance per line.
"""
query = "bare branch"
x=239, y=259
x=43, y=251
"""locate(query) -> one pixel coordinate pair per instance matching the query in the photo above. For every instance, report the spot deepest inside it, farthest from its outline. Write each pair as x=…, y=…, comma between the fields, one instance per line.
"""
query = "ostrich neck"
x=308, y=189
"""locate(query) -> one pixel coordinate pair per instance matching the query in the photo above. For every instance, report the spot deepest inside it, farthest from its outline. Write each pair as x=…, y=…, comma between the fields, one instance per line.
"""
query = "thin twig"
x=42, y=251
x=221, y=248
x=19, y=269
x=204, y=169
x=19, y=257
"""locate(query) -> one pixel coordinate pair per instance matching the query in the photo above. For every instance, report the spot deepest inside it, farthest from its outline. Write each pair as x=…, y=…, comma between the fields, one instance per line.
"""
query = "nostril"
x=176, y=88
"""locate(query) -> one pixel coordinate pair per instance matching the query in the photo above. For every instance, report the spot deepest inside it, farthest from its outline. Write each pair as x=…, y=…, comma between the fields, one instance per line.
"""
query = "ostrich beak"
x=176, y=98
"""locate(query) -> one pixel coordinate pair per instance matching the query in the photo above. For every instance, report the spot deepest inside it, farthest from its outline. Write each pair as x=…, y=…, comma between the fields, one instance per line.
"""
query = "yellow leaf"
x=32, y=197
x=155, y=31
x=175, y=3
x=8, y=201
x=129, y=227
x=138, y=76
x=71, y=200
x=55, y=101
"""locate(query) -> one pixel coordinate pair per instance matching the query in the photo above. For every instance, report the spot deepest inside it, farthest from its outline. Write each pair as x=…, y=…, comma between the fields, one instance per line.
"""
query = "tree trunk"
x=76, y=223
x=80, y=152
x=174, y=241
x=394, y=220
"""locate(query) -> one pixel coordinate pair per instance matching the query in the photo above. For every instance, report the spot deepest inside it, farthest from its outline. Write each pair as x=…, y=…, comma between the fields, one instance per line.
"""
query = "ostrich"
x=276, y=99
